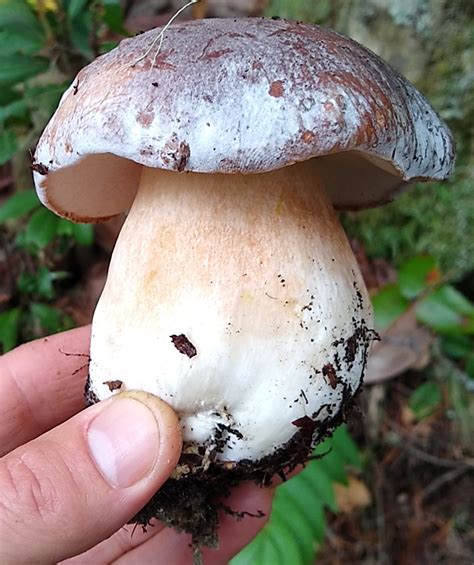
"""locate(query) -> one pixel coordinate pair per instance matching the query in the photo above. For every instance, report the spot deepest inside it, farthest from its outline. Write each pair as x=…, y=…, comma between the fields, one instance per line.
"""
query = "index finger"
x=42, y=385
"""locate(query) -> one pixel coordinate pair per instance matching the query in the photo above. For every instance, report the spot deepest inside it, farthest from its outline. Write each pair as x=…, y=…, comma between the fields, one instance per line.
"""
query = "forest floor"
x=420, y=482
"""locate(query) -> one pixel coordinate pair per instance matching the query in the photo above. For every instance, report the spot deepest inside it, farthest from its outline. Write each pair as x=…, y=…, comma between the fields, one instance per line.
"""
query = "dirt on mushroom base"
x=190, y=501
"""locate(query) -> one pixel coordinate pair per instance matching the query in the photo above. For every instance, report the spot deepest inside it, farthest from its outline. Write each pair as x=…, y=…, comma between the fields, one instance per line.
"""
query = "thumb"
x=77, y=484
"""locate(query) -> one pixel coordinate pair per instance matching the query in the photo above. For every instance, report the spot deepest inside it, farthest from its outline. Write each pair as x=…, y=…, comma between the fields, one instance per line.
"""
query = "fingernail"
x=124, y=440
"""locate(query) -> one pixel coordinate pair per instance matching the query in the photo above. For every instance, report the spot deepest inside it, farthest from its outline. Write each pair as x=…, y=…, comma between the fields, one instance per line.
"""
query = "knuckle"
x=28, y=489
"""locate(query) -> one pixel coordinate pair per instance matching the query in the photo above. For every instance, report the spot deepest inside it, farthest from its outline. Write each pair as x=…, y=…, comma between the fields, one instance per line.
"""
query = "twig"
x=441, y=480
x=8, y=261
x=438, y=461
x=380, y=519
x=408, y=445
x=160, y=37
x=377, y=476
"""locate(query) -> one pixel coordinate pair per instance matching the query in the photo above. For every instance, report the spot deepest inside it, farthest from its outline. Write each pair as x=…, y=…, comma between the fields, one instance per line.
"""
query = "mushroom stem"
x=237, y=299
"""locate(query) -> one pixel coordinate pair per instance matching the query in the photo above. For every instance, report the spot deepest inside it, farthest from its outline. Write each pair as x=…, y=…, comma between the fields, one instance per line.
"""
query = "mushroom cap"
x=238, y=96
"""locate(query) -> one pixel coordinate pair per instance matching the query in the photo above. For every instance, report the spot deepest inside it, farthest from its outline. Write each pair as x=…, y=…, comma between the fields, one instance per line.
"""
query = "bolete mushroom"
x=232, y=292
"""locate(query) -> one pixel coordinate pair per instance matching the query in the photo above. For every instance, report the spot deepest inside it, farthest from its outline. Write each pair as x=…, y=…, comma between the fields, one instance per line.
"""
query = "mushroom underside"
x=353, y=180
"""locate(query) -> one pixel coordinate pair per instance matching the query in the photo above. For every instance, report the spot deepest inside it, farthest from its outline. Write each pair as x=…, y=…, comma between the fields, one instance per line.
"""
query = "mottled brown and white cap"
x=238, y=96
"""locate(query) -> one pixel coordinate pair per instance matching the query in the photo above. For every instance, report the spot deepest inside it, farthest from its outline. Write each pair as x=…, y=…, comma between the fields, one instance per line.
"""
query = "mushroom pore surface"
x=236, y=299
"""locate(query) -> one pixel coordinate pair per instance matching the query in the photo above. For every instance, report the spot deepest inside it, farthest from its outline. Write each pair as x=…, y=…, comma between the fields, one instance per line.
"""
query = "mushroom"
x=232, y=292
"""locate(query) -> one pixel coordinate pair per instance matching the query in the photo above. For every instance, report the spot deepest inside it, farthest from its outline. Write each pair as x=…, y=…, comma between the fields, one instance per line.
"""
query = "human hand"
x=71, y=479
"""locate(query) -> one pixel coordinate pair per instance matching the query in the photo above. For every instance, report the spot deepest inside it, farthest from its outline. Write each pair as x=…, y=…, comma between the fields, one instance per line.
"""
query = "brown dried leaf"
x=353, y=496
x=405, y=345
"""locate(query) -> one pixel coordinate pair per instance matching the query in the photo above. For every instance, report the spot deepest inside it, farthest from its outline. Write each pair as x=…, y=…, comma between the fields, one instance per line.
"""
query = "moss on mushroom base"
x=237, y=300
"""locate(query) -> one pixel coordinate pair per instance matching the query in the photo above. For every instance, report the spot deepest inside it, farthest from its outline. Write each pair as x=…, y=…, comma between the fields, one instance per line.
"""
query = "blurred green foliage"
x=315, y=11
x=425, y=400
x=436, y=218
x=450, y=316
x=437, y=305
x=38, y=233
x=297, y=525
x=43, y=43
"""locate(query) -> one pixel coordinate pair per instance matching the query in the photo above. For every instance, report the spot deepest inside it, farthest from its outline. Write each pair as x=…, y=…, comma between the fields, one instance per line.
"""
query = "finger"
x=234, y=533
x=124, y=541
x=41, y=385
x=76, y=485
x=127, y=538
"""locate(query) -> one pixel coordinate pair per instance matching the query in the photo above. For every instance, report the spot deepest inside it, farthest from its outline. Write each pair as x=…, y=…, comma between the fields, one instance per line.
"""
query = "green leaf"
x=8, y=146
x=18, y=68
x=417, y=274
x=255, y=553
x=15, y=109
x=437, y=315
x=19, y=204
x=113, y=15
x=425, y=400
x=456, y=346
x=83, y=234
x=389, y=305
x=309, y=11
x=293, y=511
x=297, y=523
x=470, y=366
x=75, y=8
x=9, y=328
x=16, y=15
x=456, y=300
x=49, y=318
x=44, y=281
x=41, y=283
x=333, y=466
x=64, y=227
x=80, y=34
x=7, y=95
x=26, y=283
x=44, y=98
x=12, y=42
x=107, y=46
x=343, y=444
x=307, y=500
x=41, y=228
x=322, y=484
x=447, y=311
x=286, y=542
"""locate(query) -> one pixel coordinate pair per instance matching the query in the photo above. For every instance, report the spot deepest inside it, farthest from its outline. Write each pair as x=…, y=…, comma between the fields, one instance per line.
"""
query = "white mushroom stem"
x=256, y=273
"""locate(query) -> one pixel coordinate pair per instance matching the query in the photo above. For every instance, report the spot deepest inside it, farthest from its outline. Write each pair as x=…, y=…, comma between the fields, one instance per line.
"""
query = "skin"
x=53, y=493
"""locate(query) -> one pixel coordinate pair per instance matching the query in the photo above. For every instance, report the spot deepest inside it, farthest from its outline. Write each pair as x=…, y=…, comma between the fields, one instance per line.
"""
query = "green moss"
x=416, y=14
x=436, y=219
x=439, y=218
x=305, y=10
